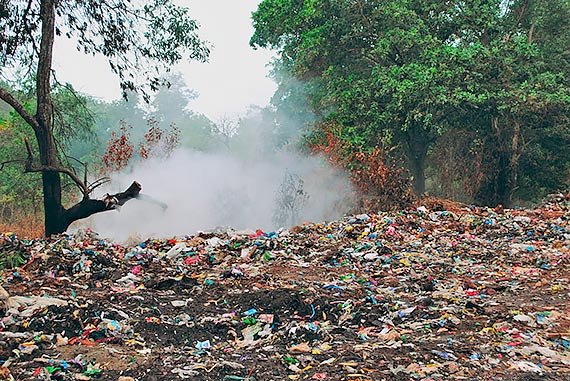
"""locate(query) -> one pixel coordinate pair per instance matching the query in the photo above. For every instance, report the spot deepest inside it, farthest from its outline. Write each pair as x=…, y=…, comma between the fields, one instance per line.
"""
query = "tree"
x=290, y=199
x=138, y=39
x=21, y=192
x=172, y=101
x=225, y=128
x=405, y=73
x=503, y=77
x=367, y=67
x=515, y=94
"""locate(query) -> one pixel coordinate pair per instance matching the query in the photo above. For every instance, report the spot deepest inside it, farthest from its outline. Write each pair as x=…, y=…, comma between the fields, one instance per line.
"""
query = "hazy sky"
x=233, y=79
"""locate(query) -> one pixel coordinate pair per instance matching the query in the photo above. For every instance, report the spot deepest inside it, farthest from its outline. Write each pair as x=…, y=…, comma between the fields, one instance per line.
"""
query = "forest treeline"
x=468, y=100
x=103, y=138
x=473, y=97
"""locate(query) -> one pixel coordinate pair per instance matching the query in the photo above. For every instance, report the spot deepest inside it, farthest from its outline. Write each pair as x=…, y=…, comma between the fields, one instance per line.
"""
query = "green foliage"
x=408, y=73
x=20, y=195
x=141, y=40
x=11, y=260
x=14, y=252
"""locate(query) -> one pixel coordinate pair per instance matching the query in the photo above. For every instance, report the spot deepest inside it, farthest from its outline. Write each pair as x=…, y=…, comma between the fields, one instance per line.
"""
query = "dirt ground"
x=423, y=294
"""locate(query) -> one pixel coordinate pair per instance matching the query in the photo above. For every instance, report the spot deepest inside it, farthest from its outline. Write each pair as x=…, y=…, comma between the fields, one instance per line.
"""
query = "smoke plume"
x=195, y=191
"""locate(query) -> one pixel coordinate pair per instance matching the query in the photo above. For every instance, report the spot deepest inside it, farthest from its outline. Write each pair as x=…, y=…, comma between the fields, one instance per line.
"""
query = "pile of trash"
x=429, y=293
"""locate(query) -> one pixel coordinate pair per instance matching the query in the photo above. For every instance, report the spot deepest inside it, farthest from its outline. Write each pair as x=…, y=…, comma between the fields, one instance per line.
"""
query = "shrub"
x=381, y=183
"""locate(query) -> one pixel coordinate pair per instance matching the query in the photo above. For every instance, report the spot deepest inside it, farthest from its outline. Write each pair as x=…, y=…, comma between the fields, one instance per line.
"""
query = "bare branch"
x=531, y=32
x=75, y=159
x=67, y=171
x=17, y=106
x=97, y=183
x=3, y=164
x=30, y=158
x=29, y=167
x=226, y=128
x=361, y=10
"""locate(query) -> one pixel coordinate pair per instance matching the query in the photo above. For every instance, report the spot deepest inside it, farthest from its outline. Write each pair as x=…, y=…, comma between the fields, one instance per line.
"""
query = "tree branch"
x=30, y=167
x=522, y=12
x=531, y=32
x=24, y=25
x=361, y=10
x=97, y=183
x=67, y=171
x=3, y=164
x=88, y=207
x=17, y=106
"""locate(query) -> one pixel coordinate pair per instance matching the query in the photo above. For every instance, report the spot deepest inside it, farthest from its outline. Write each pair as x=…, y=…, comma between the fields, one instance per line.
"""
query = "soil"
x=437, y=299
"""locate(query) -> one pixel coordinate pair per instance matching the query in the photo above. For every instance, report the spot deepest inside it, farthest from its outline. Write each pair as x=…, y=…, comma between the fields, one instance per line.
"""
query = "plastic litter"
x=438, y=292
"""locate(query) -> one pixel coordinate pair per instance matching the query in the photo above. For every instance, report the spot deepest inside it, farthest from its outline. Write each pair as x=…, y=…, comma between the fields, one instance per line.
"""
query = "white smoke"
x=203, y=191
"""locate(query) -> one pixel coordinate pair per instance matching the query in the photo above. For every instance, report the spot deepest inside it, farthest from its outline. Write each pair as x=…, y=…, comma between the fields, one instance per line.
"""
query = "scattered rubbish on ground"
x=429, y=293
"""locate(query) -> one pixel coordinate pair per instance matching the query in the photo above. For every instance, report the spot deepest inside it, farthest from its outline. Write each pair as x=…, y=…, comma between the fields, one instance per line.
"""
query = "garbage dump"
x=437, y=292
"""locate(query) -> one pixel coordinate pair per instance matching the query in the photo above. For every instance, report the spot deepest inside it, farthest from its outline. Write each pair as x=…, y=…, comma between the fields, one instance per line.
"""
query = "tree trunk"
x=418, y=167
x=504, y=180
x=51, y=181
x=57, y=218
x=53, y=209
x=418, y=143
x=502, y=184
x=512, y=164
x=515, y=154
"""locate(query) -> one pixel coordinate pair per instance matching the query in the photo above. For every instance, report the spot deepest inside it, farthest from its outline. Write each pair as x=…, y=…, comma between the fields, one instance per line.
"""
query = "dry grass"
x=25, y=226
x=434, y=204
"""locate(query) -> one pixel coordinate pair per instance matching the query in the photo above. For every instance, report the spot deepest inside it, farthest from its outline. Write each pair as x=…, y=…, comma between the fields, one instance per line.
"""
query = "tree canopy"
x=408, y=74
x=141, y=40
